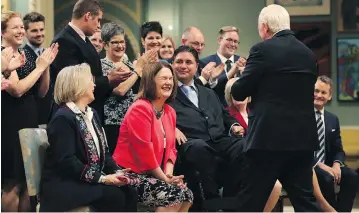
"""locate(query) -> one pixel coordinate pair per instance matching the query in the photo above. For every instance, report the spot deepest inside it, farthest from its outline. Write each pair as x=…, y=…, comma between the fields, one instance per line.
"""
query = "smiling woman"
x=151, y=35
x=147, y=142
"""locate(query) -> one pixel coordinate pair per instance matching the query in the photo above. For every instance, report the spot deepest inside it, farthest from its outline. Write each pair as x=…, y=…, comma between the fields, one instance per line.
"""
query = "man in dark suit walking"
x=76, y=48
x=203, y=125
x=228, y=40
x=282, y=134
x=330, y=157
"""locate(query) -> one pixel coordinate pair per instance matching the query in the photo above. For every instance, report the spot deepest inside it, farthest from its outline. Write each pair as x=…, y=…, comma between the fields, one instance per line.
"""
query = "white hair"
x=276, y=17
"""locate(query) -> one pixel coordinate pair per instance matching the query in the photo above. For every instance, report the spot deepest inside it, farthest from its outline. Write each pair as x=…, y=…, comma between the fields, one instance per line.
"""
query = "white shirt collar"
x=35, y=49
x=321, y=111
x=74, y=108
x=224, y=59
x=78, y=31
x=191, y=85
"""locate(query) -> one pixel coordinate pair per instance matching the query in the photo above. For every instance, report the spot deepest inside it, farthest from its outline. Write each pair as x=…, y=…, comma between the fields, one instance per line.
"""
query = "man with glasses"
x=228, y=40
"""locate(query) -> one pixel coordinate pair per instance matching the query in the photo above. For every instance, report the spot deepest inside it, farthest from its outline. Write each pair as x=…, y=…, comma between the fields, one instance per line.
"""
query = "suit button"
x=206, y=117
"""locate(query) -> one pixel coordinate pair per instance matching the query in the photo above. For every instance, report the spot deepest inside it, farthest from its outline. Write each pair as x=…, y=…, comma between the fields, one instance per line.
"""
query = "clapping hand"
x=206, y=71
x=47, y=57
x=216, y=72
x=241, y=64
x=17, y=61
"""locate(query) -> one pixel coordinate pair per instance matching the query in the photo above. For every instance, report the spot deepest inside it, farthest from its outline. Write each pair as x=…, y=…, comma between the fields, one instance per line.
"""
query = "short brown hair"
x=84, y=6
x=6, y=16
x=31, y=18
x=325, y=79
x=226, y=29
x=148, y=87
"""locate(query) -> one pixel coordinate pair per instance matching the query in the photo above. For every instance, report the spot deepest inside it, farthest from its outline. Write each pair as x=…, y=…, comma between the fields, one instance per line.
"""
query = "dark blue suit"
x=334, y=152
x=222, y=79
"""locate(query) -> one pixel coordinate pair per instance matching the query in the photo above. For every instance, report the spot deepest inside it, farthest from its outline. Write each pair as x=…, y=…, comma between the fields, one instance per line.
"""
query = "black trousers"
x=343, y=202
x=260, y=171
x=204, y=157
x=116, y=199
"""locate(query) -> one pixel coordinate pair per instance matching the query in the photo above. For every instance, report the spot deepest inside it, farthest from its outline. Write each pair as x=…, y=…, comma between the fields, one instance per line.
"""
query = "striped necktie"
x=320, y=155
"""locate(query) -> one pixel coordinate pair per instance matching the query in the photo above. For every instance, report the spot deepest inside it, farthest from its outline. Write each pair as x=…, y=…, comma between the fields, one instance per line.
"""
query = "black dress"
x=16, y=113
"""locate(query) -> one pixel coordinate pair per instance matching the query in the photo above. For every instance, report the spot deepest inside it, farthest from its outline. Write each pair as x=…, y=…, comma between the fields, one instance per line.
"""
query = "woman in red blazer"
x=147, y=142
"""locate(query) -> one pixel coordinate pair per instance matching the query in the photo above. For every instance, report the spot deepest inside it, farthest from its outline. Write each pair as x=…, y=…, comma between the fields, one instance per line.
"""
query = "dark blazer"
x=333, y=141
x=72, y=166
x=279, y=76
x=222, y=78
x=210, y=121
x=74, y=50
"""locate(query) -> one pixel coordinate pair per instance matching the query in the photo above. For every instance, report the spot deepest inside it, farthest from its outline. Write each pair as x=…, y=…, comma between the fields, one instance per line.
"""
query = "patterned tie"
x=320, y=155
x=228, y=65
x=191, y=94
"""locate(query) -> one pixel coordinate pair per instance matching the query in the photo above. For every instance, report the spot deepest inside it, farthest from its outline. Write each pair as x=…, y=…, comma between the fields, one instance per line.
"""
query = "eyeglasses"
x=117, y=43
x=197, y=44
x=231, y=40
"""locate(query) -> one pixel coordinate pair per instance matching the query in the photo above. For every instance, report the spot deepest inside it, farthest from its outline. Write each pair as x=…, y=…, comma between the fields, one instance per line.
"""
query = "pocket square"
x=333, y=130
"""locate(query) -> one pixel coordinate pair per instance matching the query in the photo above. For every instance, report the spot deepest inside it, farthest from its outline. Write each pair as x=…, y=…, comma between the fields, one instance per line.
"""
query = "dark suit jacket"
x=279, y=76
x=333, y=141
x=210, y=121
x=74, y=50
x=72, y=166
x=222, y=78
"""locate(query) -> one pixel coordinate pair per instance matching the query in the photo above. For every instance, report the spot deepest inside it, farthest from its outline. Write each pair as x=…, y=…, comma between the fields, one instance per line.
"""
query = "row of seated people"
x=170, y=106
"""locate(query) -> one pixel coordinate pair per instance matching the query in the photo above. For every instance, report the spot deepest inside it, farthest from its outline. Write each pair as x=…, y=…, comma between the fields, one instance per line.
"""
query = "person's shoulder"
x=141, y=104
x=63, y=114
x=330, y=115
x=209, y=58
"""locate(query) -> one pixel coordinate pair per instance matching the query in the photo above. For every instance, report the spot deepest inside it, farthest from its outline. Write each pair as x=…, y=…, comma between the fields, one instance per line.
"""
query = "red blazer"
x=140, y=145
x=237, y=115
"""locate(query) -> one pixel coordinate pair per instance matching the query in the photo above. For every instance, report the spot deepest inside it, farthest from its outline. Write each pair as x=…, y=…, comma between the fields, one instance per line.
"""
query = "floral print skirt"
x=157, y=193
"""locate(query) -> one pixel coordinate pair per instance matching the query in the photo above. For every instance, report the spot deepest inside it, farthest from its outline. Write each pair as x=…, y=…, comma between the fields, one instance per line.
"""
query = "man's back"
x=280, y=76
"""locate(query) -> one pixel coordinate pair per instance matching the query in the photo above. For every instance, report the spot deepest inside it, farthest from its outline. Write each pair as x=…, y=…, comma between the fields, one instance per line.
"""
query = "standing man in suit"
x=282, y=133
x=76, y=48
x=34, y=24
x=228, y=41
x=203, y=125
x=330, y=167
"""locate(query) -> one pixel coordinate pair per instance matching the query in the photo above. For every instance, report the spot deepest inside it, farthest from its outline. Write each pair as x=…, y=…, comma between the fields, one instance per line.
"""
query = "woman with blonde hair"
x=167, y=48
x=78, y=169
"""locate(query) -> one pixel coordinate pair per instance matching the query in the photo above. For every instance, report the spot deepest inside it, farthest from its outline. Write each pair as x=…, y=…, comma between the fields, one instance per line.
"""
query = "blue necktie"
x=191, y=94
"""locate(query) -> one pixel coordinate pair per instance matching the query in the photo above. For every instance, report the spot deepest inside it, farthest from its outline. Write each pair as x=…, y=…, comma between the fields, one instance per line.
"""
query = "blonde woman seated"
x=239, y=110
x=78, y=169
x=147, y=142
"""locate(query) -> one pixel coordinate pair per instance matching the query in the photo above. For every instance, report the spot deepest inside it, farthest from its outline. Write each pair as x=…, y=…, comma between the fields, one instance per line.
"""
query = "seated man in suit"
x=206, y=73
x=228, y=41
x=330, y=167
x=76, y=48
x=203, y=125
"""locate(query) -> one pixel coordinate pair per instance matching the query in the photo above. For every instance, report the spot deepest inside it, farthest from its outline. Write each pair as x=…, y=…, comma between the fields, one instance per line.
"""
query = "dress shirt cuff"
x=102, y=179
x=230, y=129
x=341, y=163
x=213, y=84
x=204, y=81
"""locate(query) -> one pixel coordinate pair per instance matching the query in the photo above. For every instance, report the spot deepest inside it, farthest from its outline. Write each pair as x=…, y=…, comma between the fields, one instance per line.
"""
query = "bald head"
x=193, y=37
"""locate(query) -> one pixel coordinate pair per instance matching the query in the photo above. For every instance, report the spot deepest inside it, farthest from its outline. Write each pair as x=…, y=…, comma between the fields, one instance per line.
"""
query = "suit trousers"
x=343, y=202
x=210, y=158
x=260, y=171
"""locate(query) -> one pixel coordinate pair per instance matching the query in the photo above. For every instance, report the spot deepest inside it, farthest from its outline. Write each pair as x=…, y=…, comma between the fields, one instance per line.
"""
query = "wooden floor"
x=289, y=208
